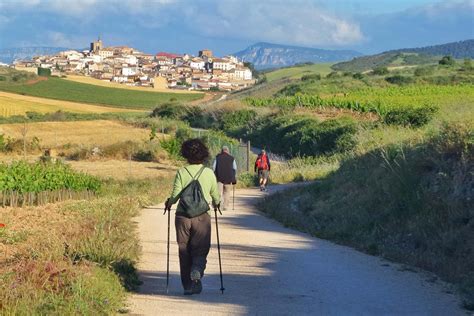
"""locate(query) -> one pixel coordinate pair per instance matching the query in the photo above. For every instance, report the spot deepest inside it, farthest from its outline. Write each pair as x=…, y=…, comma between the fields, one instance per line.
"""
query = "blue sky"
x=227, y=26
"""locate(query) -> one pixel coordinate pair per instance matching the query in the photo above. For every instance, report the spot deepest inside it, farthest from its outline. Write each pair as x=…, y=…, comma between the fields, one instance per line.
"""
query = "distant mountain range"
x=8, y=55
x=408, y=56
x=266, y=55
x=462, y=49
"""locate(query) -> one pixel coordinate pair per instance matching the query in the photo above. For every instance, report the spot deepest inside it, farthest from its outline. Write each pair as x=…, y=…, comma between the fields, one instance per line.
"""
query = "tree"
x=447, y=61
x=380, y=71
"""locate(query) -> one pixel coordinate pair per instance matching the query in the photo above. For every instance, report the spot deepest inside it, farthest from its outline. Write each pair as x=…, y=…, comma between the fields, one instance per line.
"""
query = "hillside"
x=266, y=55
x=462, y=49
x=9, y=55
x=388, y=59
x=408, y=56
x=60, y=89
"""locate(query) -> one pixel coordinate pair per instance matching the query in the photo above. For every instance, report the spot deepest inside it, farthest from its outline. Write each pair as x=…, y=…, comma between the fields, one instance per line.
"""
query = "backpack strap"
x=197, y=175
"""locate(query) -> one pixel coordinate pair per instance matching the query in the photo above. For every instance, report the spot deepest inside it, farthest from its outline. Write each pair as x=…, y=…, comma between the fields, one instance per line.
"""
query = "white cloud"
x=295, y=22
x=299, y=22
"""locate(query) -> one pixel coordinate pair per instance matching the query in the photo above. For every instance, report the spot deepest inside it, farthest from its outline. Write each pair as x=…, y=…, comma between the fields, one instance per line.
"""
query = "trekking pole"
x=219, y=248
x=168, y=250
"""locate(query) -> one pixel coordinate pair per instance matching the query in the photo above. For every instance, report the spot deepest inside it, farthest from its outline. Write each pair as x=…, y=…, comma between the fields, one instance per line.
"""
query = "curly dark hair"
x=195, y=151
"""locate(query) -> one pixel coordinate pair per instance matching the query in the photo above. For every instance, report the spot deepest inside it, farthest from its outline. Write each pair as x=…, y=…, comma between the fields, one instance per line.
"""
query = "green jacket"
x=207, y=180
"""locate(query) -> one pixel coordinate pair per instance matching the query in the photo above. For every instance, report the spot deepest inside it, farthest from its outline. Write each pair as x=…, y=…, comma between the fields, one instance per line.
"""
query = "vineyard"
x=408, y=105
x=24, y=184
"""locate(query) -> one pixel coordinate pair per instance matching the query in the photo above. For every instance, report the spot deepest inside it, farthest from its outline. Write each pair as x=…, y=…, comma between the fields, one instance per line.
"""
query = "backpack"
x=191, y=198
x=262, y=162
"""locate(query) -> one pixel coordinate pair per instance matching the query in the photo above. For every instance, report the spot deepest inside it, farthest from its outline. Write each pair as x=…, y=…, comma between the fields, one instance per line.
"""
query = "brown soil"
x=36, y=80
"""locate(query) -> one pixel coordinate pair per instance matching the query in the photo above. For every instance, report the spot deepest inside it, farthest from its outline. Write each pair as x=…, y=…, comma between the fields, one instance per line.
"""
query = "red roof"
x=169, y=55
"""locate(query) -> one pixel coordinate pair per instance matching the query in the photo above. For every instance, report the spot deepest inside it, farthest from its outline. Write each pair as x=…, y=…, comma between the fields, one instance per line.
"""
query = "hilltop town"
x=128, y=66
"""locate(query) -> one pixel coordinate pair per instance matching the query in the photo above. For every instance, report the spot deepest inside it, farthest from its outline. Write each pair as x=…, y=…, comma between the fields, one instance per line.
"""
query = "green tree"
x=447, y=61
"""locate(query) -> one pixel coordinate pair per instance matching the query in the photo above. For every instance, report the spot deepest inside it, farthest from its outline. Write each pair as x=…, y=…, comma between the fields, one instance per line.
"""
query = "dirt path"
x=272, y=270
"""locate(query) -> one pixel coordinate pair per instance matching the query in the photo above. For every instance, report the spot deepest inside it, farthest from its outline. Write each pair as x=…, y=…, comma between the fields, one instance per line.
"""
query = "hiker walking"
x=262, y=166
x=194, y=186
x=225, y=169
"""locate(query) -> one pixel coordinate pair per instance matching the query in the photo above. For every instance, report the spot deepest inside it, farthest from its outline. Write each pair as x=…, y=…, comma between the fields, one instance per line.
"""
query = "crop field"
x=297, y=72
x=87, y=133
x=160, y=85
x=60, y=89
x=22, y=183
x=15, y=104
x=123, y=170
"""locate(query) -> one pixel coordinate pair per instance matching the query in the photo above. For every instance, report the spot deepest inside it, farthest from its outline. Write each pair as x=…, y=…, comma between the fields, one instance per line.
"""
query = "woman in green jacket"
x=193, y=233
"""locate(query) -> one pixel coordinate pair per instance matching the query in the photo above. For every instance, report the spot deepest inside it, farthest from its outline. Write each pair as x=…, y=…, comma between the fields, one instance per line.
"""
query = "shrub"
x=238, y=119
x=170, y=110
x=358, y=76
x=290, y=90
x=311, y=77
x=333, y=74
x=380, y=71
x=410, y=116
x=447, y=61
x=424, y=71
x=399, y=80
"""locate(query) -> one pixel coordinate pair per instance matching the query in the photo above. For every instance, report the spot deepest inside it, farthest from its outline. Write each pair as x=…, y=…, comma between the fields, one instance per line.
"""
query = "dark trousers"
x=194, y=241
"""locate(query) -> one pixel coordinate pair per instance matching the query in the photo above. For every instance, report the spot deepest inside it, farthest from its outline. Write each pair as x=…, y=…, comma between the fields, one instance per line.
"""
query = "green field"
x=298, y=71
x=60, y=89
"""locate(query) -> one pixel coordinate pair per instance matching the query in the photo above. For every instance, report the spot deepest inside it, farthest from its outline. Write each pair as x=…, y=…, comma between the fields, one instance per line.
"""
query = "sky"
x=227, y=26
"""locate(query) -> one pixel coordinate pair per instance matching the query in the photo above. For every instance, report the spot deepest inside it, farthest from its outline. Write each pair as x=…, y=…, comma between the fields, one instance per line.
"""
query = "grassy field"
x=12, y=104
x=60, y=89
x=298, y=71
x=160, y=85
x=87, y=133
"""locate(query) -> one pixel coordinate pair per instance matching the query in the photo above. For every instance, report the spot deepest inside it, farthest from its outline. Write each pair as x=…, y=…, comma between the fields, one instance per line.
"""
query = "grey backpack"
x=192, y=199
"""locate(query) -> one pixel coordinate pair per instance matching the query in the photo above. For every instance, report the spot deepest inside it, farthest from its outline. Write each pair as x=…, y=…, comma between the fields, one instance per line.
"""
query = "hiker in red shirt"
x=262, y=166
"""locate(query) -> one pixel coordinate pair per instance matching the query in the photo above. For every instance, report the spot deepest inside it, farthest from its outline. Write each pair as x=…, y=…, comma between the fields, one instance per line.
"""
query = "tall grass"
x=407, y=203
x=76, y=257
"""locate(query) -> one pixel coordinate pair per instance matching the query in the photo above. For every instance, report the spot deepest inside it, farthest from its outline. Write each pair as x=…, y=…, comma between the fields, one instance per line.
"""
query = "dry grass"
x=16, y=104
x=123, y=170
x=87, y=133
x=160, y=84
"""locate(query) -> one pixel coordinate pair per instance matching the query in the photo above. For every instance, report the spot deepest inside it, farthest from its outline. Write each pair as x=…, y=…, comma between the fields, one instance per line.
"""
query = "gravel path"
x=272, y=270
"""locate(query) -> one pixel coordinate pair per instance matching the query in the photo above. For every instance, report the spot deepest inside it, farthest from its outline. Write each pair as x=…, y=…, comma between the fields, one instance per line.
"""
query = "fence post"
x=248, y=156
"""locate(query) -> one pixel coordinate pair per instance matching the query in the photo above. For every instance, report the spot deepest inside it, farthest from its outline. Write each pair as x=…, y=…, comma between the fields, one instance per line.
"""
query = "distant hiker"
x=193, y=223
x=225, y=169
x=262, y=166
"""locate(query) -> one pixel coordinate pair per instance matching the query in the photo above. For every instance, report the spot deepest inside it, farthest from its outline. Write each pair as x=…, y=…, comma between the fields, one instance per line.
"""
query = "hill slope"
x=408, y=56
x=462, y=49
x=266, y=55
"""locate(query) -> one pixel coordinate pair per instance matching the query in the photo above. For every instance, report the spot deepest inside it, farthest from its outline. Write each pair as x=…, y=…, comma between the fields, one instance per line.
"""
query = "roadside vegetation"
x=74, y=257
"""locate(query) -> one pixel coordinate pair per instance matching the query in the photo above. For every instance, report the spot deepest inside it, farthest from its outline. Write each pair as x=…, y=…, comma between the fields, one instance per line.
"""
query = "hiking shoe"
x=197, y=284
x=188, y=292
x=197, y=287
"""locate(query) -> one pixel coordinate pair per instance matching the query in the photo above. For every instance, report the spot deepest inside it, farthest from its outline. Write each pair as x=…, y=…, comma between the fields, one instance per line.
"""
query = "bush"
x=358, y=76
x=410, y=116
x=290, y=90
x=302, y=136
x=380, y=71
x=333, y=74
x=424, y=71
x=170, y=110
x=232, y=121
x=311, y=77
x=399, y=80
x=447, y=61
